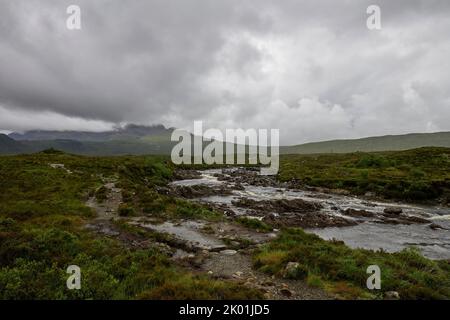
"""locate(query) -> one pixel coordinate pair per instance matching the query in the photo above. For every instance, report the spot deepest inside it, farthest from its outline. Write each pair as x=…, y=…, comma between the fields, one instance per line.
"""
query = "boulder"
x=294, y=270
x=393, y=210
x=358, y=213
x=228, y=252
x=392, y=295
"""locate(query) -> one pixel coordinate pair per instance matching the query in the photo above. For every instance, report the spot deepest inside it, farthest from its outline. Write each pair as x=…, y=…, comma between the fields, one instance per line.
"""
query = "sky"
x=311, y=69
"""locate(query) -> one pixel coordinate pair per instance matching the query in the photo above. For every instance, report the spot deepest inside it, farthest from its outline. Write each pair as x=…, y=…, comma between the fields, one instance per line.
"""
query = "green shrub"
x=253, y=223
x=407, y=272
x=125, y=210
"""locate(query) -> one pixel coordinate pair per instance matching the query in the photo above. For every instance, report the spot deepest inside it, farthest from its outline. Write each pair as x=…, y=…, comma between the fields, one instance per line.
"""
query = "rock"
x=392, y=295
x=235, y=243
x=187, y=174
x=402, y=219
x=268, y=283
x=239, y=186
x=291, y=266
x=278, y=205
x=435, y=226
x=369, y=204
x=370, y=194
x=197, y=191
x=293, y=270
x=414, y=219
x=393, y=210
x=286, y=292
x=237, y=274
x=341, y=192
x=309, y=220
x=358, y=213
x=228, y=252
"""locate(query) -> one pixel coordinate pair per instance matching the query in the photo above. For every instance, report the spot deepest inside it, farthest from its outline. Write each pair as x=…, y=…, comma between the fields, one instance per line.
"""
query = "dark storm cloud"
x=311, y=68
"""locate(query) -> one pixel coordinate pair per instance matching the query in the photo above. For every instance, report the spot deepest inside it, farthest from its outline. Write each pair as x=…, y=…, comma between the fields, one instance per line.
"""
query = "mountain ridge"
x=372, y=144
x=126, y=132
x=9, y=145
x=139, y=140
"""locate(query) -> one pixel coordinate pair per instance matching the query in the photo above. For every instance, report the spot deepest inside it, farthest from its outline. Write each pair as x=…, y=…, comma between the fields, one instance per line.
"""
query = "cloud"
x=310, y=68
x=21, y=120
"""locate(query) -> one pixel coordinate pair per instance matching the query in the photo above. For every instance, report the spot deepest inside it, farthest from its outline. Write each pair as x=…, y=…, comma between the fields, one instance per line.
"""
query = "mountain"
x=132, y=139
x=130, y=131
x=10, y=146
x=382, y=143
x=139, y=140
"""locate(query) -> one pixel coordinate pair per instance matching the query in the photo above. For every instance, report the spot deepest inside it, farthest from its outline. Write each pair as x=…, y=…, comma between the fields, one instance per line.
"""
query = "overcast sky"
x=310, y=68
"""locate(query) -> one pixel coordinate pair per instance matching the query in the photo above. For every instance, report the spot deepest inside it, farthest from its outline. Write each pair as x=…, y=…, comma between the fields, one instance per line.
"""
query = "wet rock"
x=308, y=220
x=278, y=205
x=402, y=219
x=238, y=186
x=369, y=204
x=414, y=219
x=163, y=190
x=198, y=191
x=358, y=213
x=186, y=174
x=393, y=210
x=228, y=252
x=435, y=226
x=341, y=192
x=247, y=175
x=385, y=220
x=370, y=194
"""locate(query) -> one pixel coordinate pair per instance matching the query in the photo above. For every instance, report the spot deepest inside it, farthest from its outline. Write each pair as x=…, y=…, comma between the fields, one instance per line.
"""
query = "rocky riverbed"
x=358, y=221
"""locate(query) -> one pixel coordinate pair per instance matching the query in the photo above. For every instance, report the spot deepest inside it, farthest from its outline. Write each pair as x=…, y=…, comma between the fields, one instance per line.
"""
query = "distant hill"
x=102, y=148
x=132, y=139
x=139, y=140
x=10, y=146
x=382, y=143
x=130, y=131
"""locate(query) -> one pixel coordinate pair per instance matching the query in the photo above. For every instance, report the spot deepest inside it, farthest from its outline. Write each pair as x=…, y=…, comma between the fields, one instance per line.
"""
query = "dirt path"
x=105, y=210
x=237, y=266
x=109, y=207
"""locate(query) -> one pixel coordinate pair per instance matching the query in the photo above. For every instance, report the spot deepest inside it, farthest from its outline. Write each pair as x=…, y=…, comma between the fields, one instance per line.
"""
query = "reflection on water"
x=434, y=244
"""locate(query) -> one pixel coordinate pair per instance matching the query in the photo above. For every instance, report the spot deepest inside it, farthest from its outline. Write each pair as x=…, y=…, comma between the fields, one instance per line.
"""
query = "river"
x=368, y=234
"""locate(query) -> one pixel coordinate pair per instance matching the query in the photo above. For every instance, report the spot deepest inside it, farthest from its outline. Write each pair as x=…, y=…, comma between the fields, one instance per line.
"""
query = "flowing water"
x=369, y=234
